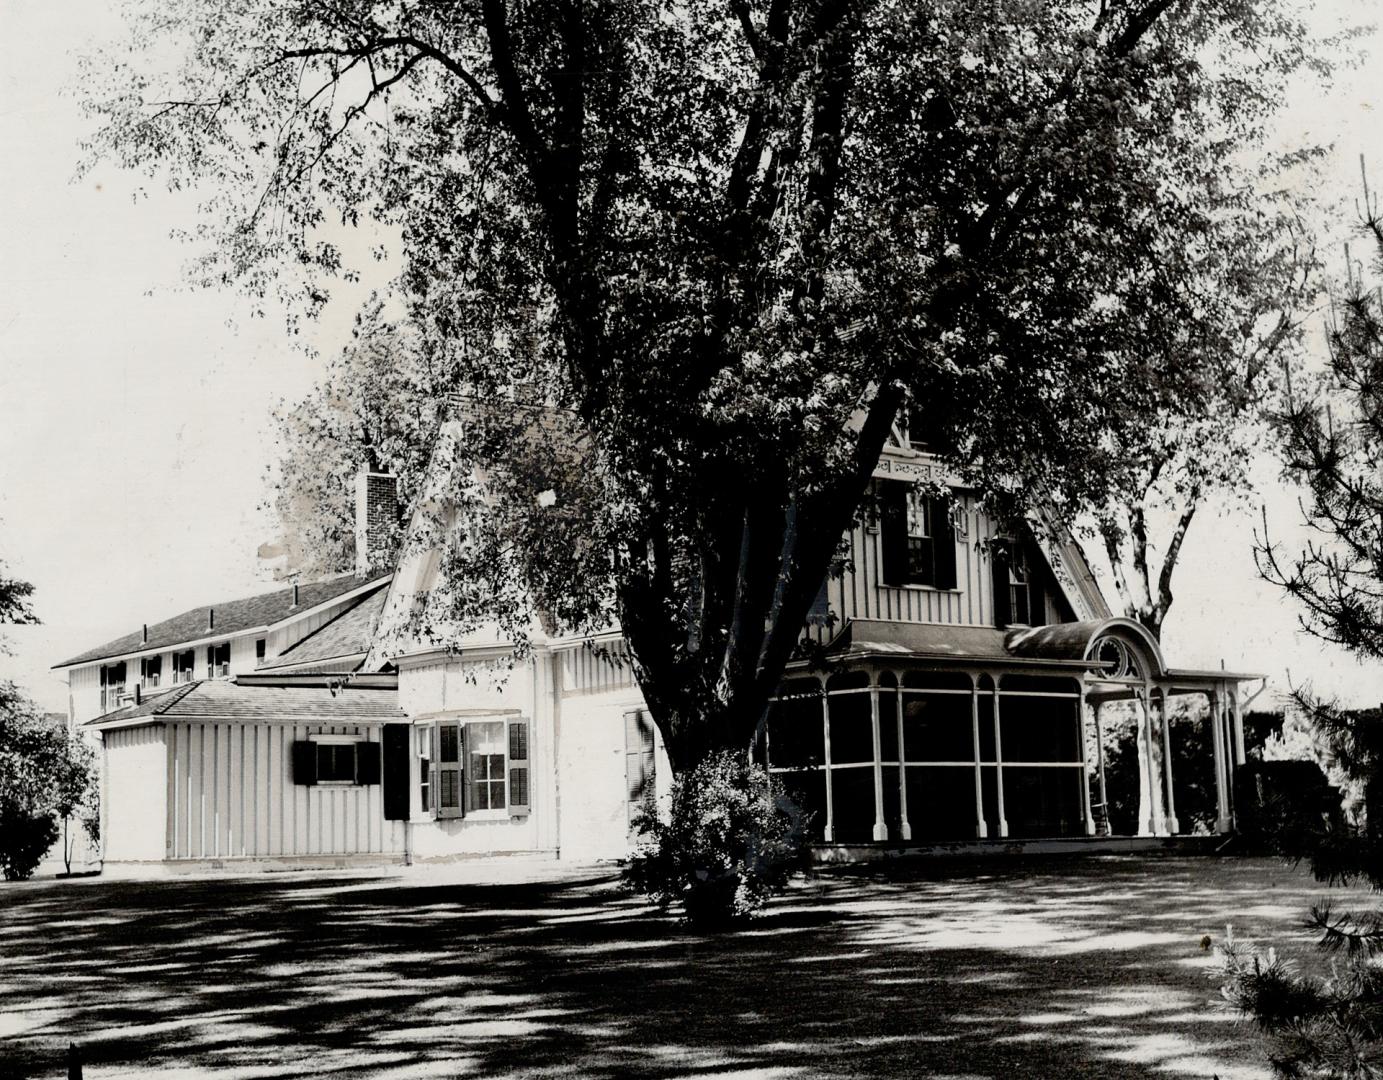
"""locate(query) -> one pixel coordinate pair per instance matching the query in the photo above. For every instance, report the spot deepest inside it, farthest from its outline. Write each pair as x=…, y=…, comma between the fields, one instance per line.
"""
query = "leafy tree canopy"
x=720, y=246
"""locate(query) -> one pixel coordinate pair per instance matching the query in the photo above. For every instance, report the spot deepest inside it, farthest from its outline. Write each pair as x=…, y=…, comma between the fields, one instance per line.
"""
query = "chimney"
x=376, y=518
x=146, y=633
x=211, y=618
x=295, y=594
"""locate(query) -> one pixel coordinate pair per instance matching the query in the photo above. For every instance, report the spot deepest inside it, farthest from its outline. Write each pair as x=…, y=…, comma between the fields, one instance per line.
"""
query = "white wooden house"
x=967, y=675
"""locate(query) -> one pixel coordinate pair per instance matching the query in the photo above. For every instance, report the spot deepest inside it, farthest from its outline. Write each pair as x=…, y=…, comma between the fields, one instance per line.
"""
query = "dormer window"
x=1019, y=607
x=918, y=540
x=184, y=665
x=218, y=660
x=260, y=645
x=150, y=671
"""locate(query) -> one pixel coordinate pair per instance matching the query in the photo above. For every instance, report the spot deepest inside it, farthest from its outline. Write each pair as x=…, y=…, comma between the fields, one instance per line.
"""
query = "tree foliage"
x=378, y=407
x=47, y=774
x=1331, y=432
x=720, y=246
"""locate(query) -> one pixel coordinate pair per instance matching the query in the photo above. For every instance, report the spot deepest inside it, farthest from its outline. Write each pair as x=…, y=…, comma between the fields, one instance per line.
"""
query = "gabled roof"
x=345, y=638
x=224, y=699
x=231, y=617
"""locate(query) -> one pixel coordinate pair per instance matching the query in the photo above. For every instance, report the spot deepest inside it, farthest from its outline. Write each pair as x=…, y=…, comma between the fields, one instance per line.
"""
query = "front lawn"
x=1088, y=967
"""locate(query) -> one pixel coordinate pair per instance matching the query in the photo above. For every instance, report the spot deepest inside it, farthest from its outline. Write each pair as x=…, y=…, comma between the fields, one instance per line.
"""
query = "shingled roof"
x=231, y=617
x=224, y=699
x=345, y=638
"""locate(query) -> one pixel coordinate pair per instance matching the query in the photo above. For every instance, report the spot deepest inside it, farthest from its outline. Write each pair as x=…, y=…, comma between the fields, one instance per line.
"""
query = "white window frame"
x=339, y=740
x=423, y=743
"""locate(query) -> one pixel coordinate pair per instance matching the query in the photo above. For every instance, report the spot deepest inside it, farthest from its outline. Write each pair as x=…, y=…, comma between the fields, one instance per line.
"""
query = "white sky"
x=134, y=414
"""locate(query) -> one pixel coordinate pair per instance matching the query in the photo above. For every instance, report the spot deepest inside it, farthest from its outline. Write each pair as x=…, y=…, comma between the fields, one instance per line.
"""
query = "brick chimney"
x=376, y=517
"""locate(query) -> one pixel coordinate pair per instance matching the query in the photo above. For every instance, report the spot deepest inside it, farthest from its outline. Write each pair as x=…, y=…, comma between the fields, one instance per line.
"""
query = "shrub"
x=731, y=840
x=24, y=839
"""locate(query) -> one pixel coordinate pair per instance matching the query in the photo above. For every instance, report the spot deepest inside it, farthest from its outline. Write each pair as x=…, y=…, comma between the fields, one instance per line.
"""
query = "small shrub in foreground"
x=24, y=840
x=732, y=839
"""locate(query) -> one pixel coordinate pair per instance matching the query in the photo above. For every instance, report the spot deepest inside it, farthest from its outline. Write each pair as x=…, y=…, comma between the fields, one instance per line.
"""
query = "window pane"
x=335, y=762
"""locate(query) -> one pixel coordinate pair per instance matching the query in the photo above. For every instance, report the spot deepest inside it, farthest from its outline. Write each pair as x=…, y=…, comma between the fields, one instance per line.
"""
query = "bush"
x=24, y=840
x=731, y=841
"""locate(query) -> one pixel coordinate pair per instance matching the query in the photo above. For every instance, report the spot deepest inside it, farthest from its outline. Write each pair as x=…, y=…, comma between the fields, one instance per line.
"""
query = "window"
x=260, y=644
x=1018, y=603
x=336, y=763
x=337, y=760
x=917, y=538
x=218, y=660
x=112, y=685
x=425, y=770
x=183, y=665
x=476, y=766
x=487, y=766
x=151, y=670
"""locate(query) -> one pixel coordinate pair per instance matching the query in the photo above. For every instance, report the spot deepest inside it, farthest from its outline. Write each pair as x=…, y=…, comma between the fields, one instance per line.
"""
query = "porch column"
x=880, y=826
x=981, y=830
x=1238, y=726
x=828, y=832
x=1173, y=826
x=1150, y=826
x=999, y=761
x=1099, y=757
x=1217, y=738
x=906, y=826
x=1084, y=763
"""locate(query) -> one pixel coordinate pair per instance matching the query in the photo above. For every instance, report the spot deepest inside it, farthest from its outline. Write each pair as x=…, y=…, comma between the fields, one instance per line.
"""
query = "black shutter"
x=893, y=531
x=998, y=564
x=394, y=740
x=1037, y=598
x=943, y=543
x=367, y=763
x=304, y=762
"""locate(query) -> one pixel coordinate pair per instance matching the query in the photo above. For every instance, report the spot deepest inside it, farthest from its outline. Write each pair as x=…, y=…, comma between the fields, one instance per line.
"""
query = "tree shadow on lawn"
x=1090, y=967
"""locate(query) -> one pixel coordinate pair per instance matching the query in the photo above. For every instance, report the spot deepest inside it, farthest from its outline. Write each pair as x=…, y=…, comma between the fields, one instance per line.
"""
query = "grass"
x=1075, y=968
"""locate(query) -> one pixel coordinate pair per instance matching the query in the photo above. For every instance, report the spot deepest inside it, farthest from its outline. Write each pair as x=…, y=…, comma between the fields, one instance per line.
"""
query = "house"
x=962, y=699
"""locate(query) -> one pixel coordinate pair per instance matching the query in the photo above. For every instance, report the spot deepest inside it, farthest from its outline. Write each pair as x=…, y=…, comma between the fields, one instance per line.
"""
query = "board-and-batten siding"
x=133, y=793
x=596, y=670
x=859, y=593
x=231, y=795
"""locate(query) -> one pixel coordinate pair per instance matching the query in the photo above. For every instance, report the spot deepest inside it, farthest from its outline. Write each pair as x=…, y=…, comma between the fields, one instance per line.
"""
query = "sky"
x=135, y=429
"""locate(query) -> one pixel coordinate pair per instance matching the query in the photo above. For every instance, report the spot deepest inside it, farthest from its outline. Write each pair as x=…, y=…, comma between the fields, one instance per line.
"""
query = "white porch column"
x=1173, y=827
x=1099, y=757
x=905, y=824
x=999, y=762
x=1238, y=726
x=828, y=832
x=1217, y=737
x=1084, y=763
x=880, y=826
x=981, y=830
x=1151, y=825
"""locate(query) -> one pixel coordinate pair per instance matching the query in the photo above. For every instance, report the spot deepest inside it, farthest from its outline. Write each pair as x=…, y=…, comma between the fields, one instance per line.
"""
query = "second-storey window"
x=112, y=684
x=184, y=666
x=218, y=660
x=917, y=540
x=151, y=670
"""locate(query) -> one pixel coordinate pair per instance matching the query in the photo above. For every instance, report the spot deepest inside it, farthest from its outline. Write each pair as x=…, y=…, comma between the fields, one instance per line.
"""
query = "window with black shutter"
x=639, y=760
x=1013, y=591
x=917, y=539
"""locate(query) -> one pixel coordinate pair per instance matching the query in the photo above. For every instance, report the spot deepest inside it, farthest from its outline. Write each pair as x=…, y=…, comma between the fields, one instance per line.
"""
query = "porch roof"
x=981, y=644
x=223, y=699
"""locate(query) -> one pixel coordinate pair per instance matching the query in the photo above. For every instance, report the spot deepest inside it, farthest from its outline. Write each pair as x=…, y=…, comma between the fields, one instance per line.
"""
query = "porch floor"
x=845, y=854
